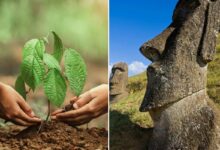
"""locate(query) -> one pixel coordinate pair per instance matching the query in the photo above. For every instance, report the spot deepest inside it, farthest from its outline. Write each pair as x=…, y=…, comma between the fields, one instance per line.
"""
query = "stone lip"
x=151, y=107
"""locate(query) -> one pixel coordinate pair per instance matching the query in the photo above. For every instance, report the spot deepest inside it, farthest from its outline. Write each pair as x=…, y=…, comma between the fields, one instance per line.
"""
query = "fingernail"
x=32, y=114
x=38, y=118
x=53, y=117
x=75, y=106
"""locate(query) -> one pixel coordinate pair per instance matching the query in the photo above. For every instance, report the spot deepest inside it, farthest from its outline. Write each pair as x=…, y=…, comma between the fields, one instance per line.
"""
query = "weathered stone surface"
x=119, y=81
x=176, y=91
x=186, y=125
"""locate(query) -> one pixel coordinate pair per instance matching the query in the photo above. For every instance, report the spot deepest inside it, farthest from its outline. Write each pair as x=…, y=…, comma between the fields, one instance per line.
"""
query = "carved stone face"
x=180, y=53
x=119, y=79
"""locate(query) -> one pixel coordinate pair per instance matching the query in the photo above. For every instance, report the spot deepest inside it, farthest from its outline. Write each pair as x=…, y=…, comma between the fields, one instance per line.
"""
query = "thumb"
x=83, y=99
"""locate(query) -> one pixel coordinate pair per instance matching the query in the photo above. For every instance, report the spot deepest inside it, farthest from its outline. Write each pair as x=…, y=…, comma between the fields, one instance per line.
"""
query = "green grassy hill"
x=129, y=127
x=213, y=83
x=126, y=122
x=130, y=105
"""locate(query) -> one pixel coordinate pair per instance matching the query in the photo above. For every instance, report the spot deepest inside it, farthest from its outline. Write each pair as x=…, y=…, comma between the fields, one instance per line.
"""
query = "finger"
x=18, y=121
x=26, y=108
x=83, y=100
x=73, y=99
x=76, y=119
x=88, y=116
x=28, y=119
x=77, y=123
x=57, y=112
x=53, y=118
x=73, y=113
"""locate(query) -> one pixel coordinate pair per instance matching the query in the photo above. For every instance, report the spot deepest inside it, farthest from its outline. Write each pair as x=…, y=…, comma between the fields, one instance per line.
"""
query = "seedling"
x=40, y=68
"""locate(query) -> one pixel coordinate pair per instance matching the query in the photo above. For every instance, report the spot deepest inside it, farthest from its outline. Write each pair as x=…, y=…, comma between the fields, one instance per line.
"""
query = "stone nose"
x=154, y=48
x=150, y=51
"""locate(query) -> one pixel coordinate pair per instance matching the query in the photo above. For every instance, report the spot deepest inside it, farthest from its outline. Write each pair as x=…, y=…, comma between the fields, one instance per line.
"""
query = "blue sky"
x=133, y=22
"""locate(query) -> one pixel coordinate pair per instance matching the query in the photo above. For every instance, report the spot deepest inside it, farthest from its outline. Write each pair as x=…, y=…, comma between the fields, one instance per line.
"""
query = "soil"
x=53, y=136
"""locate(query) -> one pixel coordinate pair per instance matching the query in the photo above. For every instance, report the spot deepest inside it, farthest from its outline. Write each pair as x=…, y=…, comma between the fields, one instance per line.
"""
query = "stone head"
x=119, y=79
x=181, y=52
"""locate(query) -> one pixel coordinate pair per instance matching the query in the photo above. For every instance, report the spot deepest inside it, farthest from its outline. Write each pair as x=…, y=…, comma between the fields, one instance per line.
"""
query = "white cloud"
x=136, y=67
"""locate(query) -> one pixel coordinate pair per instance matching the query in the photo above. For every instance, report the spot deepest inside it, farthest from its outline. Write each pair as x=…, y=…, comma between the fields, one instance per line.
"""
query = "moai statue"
x=176, y=94
x=118, y=82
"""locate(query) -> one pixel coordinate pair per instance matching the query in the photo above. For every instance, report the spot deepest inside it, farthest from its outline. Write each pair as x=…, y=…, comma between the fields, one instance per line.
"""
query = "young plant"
x=40, y=68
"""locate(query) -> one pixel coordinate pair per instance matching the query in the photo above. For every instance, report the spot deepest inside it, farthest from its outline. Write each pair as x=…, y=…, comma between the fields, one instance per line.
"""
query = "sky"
x=133, y=22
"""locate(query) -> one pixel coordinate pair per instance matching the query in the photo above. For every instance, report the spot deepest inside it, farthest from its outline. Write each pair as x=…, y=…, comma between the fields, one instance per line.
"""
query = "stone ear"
x=210, y=31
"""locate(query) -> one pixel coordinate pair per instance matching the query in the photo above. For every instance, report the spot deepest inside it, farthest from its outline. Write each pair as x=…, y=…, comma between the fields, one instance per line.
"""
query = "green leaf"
x=32, y=68
x=20, y=86
x=32, y=47
x=51, y=62
x=75, y=70
x=55, y=87
x=40, y=48
x=58, y=47
x=29, y=48
x=32, y=71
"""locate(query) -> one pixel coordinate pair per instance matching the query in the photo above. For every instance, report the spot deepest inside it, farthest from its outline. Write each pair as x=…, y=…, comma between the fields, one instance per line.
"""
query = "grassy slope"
x=130, y=105
x=125, y=115
x=126, y=121
x=213, y=83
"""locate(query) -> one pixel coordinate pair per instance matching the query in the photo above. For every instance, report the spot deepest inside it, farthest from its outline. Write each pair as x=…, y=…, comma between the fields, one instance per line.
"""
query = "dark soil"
x=53, y=136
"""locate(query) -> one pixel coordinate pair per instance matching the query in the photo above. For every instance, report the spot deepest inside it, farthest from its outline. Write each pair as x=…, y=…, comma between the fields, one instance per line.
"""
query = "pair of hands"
x=89, y=105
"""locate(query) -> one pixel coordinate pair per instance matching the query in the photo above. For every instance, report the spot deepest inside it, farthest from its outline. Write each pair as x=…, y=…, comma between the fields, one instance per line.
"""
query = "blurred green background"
x=81, y=24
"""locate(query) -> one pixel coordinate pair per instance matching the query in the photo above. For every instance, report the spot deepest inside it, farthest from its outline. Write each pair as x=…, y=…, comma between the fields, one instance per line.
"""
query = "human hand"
x=87, y=106
x=14, y=108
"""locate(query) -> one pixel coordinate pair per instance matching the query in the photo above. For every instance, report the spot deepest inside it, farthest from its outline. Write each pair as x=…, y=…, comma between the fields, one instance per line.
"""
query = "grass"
x=130, y=129
x=130, y=105
x=213, y=82
x=137, y=83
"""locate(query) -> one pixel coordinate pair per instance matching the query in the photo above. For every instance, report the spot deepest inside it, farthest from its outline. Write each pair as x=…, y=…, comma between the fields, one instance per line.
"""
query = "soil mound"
x=53, y=136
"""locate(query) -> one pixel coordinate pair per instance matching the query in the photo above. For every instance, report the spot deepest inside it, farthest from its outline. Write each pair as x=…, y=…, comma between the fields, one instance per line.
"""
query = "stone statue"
x=176, y=97
x=119, y=81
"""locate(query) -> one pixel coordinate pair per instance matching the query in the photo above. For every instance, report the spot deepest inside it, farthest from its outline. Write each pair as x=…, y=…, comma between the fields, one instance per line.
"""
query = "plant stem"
x=48, y=113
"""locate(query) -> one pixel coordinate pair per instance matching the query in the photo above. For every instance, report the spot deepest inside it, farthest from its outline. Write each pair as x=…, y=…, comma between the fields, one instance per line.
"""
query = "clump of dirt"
x=53, y=136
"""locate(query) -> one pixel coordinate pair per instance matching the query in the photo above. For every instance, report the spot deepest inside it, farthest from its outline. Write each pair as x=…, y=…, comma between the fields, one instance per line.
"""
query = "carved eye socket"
x=184, y=8
x=121, y=70
x=194, y=4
